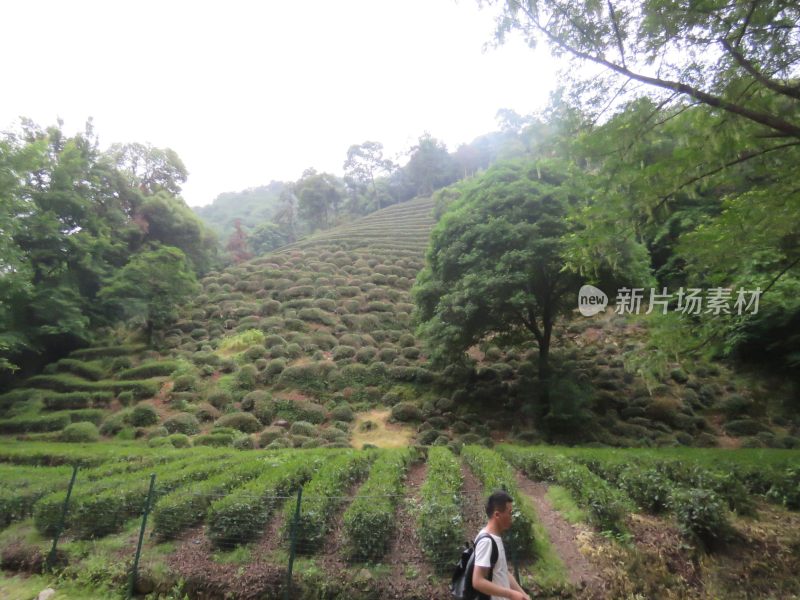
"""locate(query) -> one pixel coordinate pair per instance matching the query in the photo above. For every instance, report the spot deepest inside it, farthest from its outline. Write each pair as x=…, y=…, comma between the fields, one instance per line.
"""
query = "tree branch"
x=615, y=25
x=779, y=275
x=750, y=10
x=785, y=90
x=765, y=119
x=742, y=158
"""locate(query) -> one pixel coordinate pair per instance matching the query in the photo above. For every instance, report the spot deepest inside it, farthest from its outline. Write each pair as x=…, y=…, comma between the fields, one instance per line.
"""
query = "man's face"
x=504, y=516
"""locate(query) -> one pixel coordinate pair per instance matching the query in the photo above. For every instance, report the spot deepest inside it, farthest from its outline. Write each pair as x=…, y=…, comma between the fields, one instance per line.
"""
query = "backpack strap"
x=495, y=551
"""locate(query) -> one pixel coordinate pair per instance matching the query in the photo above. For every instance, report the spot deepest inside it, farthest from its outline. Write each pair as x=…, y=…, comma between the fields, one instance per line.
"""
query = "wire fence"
x=273, y=525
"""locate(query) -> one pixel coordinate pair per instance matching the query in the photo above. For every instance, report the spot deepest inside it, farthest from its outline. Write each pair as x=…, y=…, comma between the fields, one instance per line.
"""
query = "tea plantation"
x=251, y=411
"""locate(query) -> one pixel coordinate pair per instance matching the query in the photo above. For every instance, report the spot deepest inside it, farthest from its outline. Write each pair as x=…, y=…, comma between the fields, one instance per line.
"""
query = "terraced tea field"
x=391, y=521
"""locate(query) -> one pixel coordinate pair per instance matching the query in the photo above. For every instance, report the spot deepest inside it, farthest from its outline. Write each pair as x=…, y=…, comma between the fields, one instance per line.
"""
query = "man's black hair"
x=497, y=501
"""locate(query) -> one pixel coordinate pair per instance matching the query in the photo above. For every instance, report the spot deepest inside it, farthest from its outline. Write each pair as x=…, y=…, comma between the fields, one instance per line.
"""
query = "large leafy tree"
x=365, y=162
x=151, y=287
x=702, y=167
x=495, y=265
x=430, y=166
x=70, y=217
x=319, y=198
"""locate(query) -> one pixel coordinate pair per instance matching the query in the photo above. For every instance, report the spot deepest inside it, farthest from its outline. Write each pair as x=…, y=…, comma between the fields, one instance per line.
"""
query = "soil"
x=473, y=504
x=563, y=536
x=411, y=577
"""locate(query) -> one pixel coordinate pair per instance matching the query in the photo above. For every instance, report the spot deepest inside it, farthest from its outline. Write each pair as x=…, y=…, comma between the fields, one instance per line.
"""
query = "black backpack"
x=461, y=583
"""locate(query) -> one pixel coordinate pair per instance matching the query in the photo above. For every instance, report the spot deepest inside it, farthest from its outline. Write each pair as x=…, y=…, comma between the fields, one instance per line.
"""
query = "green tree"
x=266, y=237
x=319, y=198
x=430, y=166
x=149, y=169
x=495, y=265
x=364, y=163
x=151, y=287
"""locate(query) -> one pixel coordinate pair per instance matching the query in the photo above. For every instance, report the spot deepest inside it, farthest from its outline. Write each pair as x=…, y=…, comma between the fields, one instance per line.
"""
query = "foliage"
x=322, y=496
x=370, y=520
x=242, y=514
x=80, y=432
x=440, y=524
x=151, y=286
x=495, y=474
x=495, y=265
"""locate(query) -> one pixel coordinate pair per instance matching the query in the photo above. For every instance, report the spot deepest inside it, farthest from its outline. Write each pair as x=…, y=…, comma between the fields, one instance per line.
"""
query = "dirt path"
x=473, y=503
x=334, y=546
x=412, y=575
x=563, y=536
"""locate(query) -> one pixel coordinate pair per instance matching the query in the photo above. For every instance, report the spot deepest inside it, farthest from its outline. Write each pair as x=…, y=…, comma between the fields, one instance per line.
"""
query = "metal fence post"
x=52, y=556
x=293, y=539
x=147, y=505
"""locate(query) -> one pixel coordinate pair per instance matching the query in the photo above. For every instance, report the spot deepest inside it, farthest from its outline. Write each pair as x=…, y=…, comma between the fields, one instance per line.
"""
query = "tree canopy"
x=495, y=265
x=71, y=216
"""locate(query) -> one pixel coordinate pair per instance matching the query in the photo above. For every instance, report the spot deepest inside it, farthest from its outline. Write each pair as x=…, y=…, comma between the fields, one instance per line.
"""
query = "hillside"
x=311, y=348
x=322, y=331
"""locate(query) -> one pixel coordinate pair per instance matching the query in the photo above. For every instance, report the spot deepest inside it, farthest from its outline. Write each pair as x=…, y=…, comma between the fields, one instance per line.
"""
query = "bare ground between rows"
x=563, y=536
x=412, y=576
x=206, y=578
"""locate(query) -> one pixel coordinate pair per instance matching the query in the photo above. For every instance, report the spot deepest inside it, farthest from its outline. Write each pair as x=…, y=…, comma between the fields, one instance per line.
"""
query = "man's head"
x=498, y=509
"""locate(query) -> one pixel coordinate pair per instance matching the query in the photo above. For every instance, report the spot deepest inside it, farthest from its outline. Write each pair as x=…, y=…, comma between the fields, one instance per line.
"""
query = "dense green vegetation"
x=434, y=302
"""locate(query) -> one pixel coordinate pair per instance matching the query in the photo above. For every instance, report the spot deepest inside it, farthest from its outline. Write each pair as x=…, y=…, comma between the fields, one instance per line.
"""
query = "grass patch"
x=25, y=532
x=25, y=587
x=240, y=555
x=565, y=504
x=384, y=435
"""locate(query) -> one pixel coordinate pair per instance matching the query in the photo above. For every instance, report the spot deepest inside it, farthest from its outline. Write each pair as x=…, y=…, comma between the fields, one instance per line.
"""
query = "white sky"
x=247, y=92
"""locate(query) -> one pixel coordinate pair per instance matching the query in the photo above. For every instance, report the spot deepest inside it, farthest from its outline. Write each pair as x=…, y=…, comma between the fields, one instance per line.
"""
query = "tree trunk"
x=544, y=369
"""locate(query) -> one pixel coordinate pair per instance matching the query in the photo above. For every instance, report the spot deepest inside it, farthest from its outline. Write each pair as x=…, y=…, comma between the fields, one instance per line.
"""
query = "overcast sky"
x=248, y=92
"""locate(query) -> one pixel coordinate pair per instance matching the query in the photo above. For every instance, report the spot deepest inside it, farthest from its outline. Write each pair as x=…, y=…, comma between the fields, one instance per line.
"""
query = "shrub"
x=75, y=400
x=701, y=514
x=179, y=510
x=370, y=520
x=220, y=399
x=80, y=432
x=242, y=341
x=253, y=353
x=246, y=377
x=269, y=435
x=744, y=427
x=308, y=377
x=324, y=493
x=406, y=411
x=184, y=383
x=303, y=428
x=143, y=415
x=206, y=412
x=495, y=474
x=440, y=524
x=737, y=405
x=182, y=423
x=250, y=400
x=87, y=370
x=244, y=422
x=241, y=515
x=156, y=368
x=275, y=367
x=343, y=352
x=608, y=506
x=343, y=412
x=179, y=440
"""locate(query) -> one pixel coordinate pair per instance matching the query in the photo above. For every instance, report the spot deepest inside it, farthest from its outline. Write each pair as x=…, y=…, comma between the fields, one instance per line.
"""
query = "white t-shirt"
x=483, y=558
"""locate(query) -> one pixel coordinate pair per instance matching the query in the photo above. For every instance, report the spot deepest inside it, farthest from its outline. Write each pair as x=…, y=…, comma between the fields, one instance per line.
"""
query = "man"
x=502, y=584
